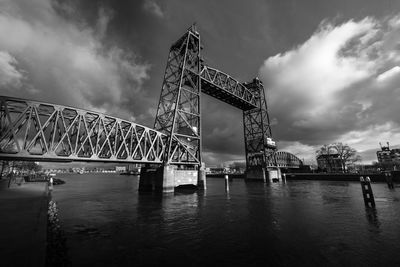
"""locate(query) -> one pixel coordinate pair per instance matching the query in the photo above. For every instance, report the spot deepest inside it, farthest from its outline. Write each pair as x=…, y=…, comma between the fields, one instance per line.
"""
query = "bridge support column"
x=165, y=179
x=161, y=179
x=274, y=174
x=262, y=174
x=279, y=174
x=201, y=177
x=255, y=174
x=146, y=179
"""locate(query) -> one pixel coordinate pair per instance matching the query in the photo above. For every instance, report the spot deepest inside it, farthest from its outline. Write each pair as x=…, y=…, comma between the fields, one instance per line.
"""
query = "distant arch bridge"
x=287, y=160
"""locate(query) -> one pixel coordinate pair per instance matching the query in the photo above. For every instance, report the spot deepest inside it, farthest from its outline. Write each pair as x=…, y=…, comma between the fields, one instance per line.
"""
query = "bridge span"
x=39, y=131
x=34, y=130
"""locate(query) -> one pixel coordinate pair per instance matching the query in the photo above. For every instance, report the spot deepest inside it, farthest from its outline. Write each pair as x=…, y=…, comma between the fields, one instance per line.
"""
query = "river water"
x=301, y=223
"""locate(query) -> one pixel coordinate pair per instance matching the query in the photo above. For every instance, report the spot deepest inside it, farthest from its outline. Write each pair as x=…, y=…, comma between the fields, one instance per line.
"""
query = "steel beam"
x=39, y=131
x=227, y=89
x=178, y=113
x=259, y=147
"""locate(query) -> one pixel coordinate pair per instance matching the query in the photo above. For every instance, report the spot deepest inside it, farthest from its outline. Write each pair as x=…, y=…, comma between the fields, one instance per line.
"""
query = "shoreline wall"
x=338, y=177
x=351, y=177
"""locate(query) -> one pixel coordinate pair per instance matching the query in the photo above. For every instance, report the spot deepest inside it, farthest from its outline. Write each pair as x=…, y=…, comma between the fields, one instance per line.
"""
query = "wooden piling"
x=389, y=180
x=264, y=175
x=367, y=192
x=226, y=183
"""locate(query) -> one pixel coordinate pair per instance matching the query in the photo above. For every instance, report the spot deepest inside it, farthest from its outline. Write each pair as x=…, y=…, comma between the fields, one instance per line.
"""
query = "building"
x=120, y=168
x=366, y=168
x=329, y=163
x=388, y=158
x=384, y=154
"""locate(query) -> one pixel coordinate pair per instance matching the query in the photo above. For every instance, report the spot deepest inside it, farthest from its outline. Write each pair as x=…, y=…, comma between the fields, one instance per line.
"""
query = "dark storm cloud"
x=222, y=128
x=66, y=62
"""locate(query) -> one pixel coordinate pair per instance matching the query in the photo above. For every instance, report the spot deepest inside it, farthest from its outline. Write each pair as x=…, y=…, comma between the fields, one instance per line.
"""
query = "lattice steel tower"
x=178, y=113
x=32, y=130
x=259, y=146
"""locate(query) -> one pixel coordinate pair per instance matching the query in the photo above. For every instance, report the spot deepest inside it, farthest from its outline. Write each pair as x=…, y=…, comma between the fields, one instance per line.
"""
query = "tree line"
x=18, y=166
x=343, y=153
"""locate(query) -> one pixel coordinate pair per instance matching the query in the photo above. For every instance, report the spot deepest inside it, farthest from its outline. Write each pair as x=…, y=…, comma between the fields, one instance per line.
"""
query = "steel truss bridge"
x=32, y=130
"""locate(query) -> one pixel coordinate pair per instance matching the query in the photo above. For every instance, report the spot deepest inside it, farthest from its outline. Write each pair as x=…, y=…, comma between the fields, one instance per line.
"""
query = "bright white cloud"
x=66, y=62
x=387, y=75
x=325, y=90
x=315, y=71
x=369, y=138
x=10, y=76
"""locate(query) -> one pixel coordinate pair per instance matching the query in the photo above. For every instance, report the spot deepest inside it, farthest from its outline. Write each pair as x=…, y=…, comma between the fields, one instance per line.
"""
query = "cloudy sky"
x=331, y=68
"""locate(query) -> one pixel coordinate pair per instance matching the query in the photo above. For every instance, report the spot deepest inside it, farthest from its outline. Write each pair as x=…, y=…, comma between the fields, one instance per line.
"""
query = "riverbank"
x=222, y=175
x=353, y=177
x=23, y=224
x=350, y=177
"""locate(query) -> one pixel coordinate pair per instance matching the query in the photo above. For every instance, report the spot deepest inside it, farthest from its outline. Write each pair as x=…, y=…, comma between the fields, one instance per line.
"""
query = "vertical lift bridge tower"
x=179, y=117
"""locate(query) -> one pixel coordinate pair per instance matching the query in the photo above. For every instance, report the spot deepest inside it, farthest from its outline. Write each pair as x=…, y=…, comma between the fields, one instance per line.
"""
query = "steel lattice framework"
x=227, y=89
x=178, y=113
x=40, y=131
x=257, y=131
x=287, y=160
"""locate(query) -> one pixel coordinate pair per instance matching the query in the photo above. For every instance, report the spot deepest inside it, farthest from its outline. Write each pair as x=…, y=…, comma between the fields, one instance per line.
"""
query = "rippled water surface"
x=301, y=223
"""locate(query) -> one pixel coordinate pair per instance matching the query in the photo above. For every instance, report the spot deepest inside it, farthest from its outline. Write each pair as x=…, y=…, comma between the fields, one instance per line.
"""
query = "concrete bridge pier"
x=157, y=178
x=274, y=173
x=263, y=174
x=165, y=178
x=256, y=174
x=146, y=179
x=201, y=177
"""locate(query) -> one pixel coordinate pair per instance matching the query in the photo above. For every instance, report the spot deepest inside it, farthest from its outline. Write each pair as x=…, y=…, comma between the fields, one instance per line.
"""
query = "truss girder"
x=41, y=131
x=47, y=132
x=287, y=160
x=227, y=89
x=178, y=112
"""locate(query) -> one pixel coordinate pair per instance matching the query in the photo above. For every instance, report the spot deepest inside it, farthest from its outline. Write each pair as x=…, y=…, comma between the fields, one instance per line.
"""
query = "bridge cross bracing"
x=34, y=130
x=179, y=114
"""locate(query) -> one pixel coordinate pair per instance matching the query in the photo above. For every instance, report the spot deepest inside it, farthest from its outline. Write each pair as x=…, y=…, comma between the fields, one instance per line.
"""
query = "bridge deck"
x=227, y=89
x=39, y=131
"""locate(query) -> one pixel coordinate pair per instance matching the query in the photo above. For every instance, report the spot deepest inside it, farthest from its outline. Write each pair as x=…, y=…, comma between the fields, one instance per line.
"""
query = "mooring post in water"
x=264, y=175
x=367, y=192
x=226, y=183
x=11, y=175
x=50, y=184
x=284, y=178
x=389, y=180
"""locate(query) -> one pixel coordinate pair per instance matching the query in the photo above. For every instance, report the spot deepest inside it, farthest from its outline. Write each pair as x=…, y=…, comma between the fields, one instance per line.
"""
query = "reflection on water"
x=372, y=216
x=302, y=223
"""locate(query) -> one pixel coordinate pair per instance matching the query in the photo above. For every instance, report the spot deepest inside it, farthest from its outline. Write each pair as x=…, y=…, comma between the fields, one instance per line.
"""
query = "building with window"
x=120, y=168
x=388, y=158
x=329, y=163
